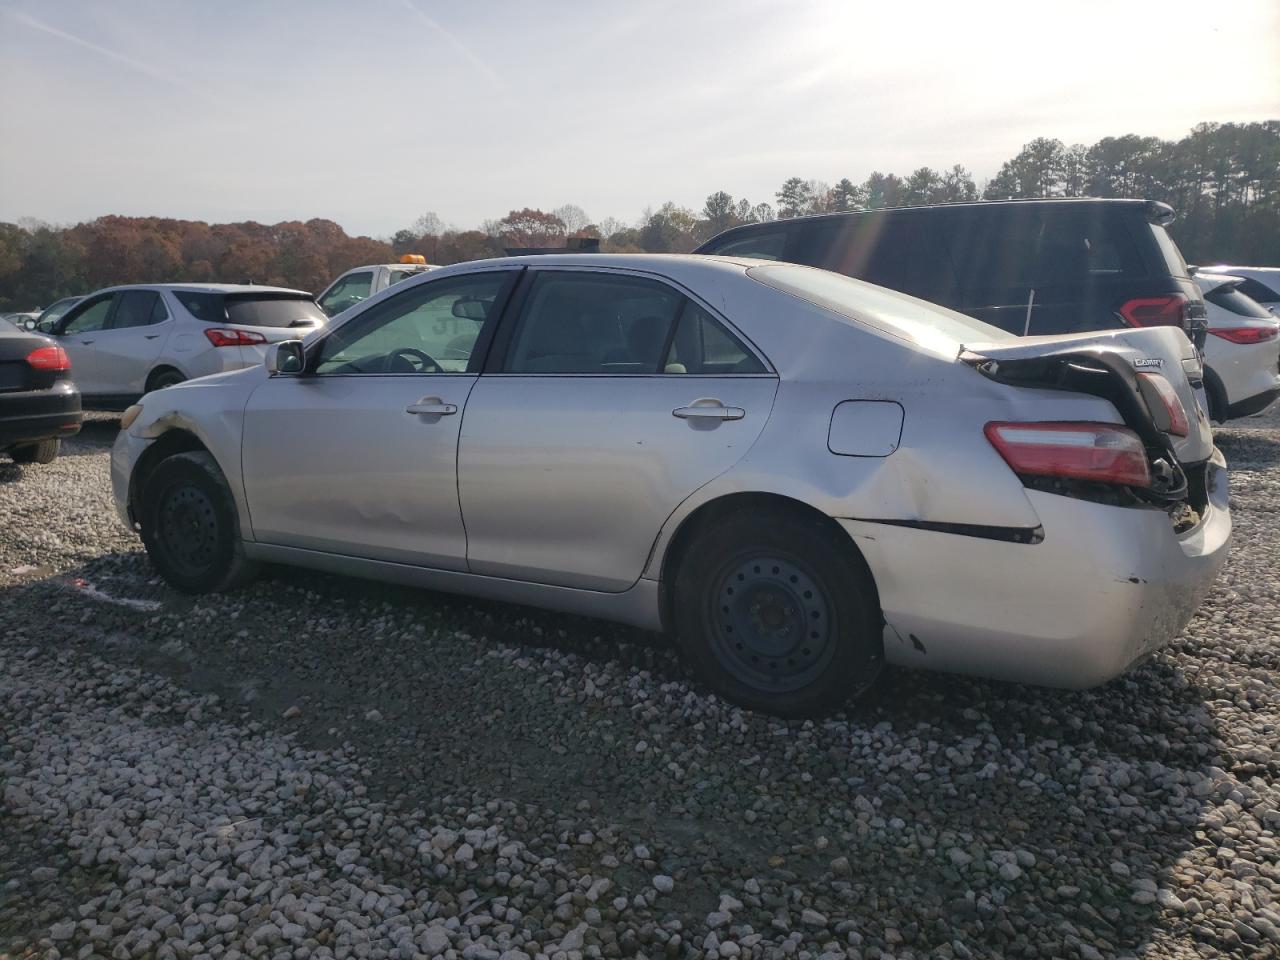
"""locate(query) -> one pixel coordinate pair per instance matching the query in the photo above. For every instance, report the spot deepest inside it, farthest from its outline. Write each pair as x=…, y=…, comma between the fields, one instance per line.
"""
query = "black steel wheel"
x=778, y=613
x=190, y=525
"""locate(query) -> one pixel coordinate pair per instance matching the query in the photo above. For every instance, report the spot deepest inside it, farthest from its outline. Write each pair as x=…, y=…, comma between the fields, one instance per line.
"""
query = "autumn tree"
x=531, y=228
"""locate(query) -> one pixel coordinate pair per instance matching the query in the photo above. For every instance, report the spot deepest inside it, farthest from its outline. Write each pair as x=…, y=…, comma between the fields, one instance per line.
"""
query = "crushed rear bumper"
x=1106, y=587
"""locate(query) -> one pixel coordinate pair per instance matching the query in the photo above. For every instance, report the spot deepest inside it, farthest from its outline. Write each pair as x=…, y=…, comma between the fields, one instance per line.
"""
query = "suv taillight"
x=49, y=358
x=1099, y=452
x=1173, y=310
x=226, y=337
x=1247, y=334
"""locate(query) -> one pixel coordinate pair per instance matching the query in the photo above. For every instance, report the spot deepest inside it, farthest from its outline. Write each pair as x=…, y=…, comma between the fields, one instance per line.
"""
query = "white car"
x=361, y=283
x=1260, y=283
x=1242, y=351
x=126, y=341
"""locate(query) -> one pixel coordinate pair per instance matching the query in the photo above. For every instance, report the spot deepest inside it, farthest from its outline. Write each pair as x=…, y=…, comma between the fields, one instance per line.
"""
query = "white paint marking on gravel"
x=93, y=593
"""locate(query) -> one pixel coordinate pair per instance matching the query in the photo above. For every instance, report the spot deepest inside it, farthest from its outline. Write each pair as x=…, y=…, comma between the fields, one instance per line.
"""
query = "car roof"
x=1155, y=210
x=204, y=288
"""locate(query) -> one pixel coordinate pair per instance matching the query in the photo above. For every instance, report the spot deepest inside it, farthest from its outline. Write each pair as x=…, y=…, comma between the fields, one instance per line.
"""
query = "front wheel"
x=191, y=528
x=778, y=614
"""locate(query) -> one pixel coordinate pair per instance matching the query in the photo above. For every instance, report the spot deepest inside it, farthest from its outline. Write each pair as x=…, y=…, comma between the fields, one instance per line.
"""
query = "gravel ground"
x=318, y=766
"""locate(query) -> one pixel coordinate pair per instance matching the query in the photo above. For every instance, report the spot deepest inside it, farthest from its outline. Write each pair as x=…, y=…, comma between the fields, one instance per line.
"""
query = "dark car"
x=1028, y=266
x=39, y=404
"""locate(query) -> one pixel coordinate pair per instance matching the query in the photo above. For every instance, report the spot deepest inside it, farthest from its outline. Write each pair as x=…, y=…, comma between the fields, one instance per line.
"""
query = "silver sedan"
x=800, y=475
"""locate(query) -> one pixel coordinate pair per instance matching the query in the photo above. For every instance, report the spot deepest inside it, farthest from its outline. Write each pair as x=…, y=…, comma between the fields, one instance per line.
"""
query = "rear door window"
x=593, y=323
x=137, y=308
x=702, y=346
x=1001, y=254
x=759, y=246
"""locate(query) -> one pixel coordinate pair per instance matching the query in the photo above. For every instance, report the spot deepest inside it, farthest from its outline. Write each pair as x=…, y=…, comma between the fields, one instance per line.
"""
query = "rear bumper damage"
x=1106, y=587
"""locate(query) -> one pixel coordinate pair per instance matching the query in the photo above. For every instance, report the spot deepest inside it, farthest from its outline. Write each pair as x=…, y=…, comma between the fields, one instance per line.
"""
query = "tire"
x=191, y=528
x=165, y=378
x=747, y=592
x=46, y=451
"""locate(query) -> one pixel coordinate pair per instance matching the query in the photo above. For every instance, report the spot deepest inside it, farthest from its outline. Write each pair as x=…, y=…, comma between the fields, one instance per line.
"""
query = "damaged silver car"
x=800, y=475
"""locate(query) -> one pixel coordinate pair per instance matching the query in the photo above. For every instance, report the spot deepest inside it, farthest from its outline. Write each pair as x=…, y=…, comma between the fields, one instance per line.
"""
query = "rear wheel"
x=46, y=451
x=777, y=614
x=164, y=378
x=191, y=528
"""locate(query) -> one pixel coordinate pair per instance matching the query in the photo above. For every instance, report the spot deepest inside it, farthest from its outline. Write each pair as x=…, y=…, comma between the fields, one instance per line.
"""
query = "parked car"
x=1026, y=266
x=125, y=341
x=39, y=404
x=22, y=319
x=48, y=319
x=1242, y=355
x=361, y=283
x=1260, y=283
x=800, y=474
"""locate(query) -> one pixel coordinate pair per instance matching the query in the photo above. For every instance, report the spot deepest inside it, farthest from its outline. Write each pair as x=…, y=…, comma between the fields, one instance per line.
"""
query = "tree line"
x=1222, y=179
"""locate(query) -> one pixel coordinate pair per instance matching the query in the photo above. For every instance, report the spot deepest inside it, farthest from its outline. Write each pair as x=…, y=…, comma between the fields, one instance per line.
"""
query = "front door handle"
x=708, y=408
x=432, y=406
x=150, y=336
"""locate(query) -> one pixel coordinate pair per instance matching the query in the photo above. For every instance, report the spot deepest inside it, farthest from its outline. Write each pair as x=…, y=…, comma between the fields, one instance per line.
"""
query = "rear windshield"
x=253, y=309
x=884, y=309
x=1169, y=251
x=1230, y=298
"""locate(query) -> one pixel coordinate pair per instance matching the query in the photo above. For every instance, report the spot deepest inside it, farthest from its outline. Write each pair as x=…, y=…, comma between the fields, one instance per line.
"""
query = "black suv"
x=1028, y=266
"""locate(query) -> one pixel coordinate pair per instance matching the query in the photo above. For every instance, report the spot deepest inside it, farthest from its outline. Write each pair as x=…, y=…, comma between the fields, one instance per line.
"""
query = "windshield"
x=253, y=309
x=895, y=313
x=55, y=310
x=1230, y=298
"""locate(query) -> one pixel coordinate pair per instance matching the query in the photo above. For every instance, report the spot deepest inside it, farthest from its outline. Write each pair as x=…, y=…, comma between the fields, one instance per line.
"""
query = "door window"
x=703, y=347
x=593, y=323
x=347, y=292
x=433, y=328
x=138, y=308
x=761, y=246
x=89, y=317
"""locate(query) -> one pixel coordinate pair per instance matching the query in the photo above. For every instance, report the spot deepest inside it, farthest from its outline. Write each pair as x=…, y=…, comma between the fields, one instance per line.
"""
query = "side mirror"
x=28, y=324
x=286, y=358
x=46, y=326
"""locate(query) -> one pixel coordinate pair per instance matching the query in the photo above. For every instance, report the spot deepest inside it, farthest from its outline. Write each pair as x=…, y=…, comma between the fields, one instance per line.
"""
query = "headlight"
x=130, y=415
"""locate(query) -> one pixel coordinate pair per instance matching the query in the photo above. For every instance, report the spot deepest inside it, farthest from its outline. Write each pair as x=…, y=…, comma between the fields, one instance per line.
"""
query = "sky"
x=371, y=114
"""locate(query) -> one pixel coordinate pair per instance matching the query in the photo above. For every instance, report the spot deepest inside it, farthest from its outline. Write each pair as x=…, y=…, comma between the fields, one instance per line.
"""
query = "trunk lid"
x=1108, y=364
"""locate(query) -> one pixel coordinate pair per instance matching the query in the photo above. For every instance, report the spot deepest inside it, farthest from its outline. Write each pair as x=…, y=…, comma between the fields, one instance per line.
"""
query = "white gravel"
x=324, y=767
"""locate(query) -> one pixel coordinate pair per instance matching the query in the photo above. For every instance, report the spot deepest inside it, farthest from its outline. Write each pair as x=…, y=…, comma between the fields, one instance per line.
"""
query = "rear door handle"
x=86, y=342
x=708, y=408
x=432, y=406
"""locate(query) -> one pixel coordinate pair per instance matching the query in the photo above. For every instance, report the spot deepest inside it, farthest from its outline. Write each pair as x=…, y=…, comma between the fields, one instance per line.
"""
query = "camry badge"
x=1148, y=362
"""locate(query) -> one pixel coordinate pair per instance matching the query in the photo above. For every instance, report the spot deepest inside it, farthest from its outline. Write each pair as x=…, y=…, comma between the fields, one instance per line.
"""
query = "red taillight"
x=1247, y=334
x=1173, y=310
x=227, y=337
x=1083, y=451
x=1168, y=398
x=49, y=358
